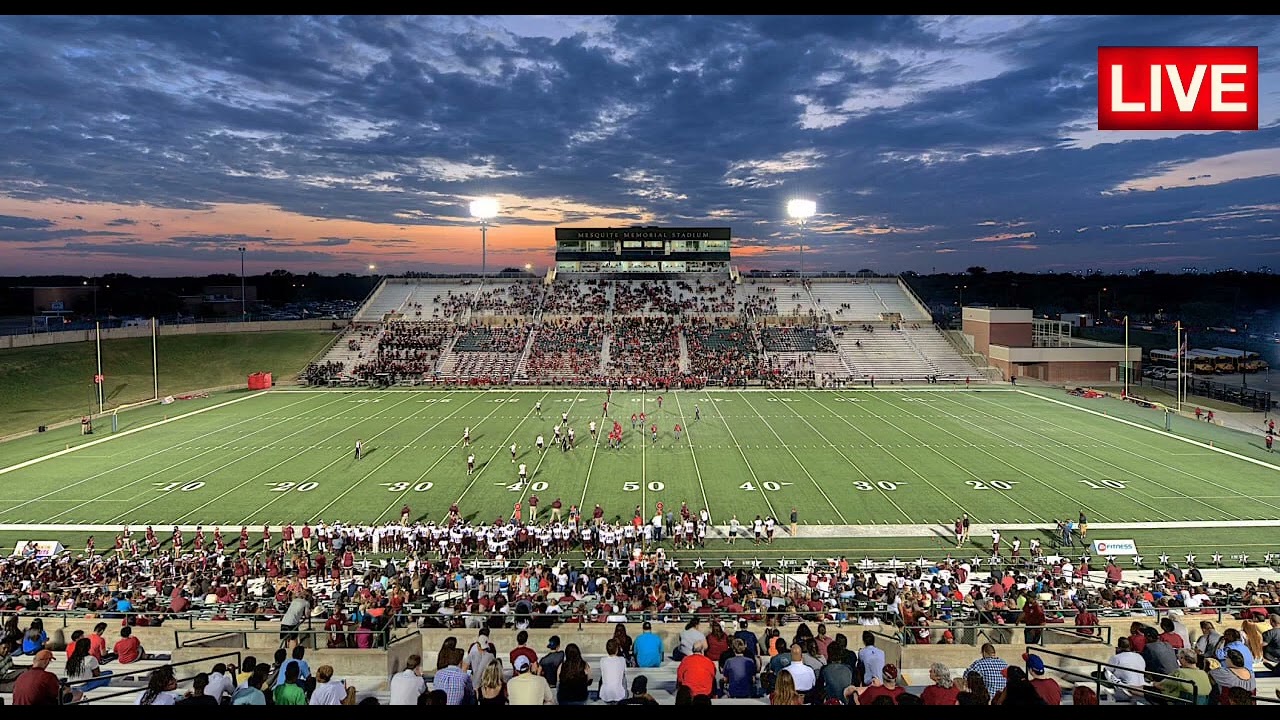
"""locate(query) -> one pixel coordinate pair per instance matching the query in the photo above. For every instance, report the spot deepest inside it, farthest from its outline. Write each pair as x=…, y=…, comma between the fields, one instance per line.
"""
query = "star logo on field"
x=866, y=563
x=783, y=563
x=921, y=562
x=810, y=564
x=1164, y=559
x=1269, y=558
x=1111, y=558
x=1137, y=560
x=588, y=563
x=615, y=564
x=994, y=560
x=976, y=561
x=1244, y=559
x=673, y=565
x=1191, y=559
x=1217, y=558
x=756, y=564
x=727, y=563
x=699, y=563
x=895, y=562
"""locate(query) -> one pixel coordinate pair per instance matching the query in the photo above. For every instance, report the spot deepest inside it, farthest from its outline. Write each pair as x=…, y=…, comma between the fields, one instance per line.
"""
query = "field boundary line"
x=1189, y=441
x=550, y=388
x=799, y=464
x=195, y=478
x=1038, y=483
x=113, y=436
x=806, y=530
x=1053, y=447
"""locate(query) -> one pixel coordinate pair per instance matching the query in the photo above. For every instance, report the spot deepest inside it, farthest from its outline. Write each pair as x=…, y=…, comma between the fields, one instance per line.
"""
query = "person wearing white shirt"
x=329, y=691
x=613, y=674
x=220, y=683
x=162, y=686
x=1130, y=671
x=801, y=673
x=408, y=684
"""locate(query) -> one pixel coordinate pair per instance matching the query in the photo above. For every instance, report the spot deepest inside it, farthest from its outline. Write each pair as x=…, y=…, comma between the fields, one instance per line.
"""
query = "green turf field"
x=51, y=383
x=893, y=457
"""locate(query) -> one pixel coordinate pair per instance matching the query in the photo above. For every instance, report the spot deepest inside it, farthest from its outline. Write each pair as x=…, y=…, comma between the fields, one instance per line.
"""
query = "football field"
x=891, y=457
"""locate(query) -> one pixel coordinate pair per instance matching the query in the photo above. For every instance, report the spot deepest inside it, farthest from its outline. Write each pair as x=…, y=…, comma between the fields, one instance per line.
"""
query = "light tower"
x=484, y=209
x=800, y=211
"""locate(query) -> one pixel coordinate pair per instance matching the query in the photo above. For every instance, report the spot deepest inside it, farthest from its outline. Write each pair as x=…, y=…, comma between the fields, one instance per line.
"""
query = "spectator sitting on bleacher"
x=161, y=688
x=8, y=671
x=83, y=666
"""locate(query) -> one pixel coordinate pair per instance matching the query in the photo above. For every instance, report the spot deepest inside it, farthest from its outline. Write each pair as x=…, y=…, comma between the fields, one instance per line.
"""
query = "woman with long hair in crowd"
x=784, y=691
x=83, y=666
x=492, y=689
x=975, y=691
x=161, y=687
x=573, y=686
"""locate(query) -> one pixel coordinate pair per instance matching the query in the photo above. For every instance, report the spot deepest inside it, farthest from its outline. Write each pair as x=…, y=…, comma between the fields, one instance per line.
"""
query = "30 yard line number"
x=398, y=487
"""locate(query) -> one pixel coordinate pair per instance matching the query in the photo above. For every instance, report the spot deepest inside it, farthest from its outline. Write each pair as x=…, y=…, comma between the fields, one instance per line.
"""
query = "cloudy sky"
x=159, y=145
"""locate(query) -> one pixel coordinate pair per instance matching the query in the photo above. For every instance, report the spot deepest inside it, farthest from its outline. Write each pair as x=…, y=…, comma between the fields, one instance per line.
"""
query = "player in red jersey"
x=653, y=430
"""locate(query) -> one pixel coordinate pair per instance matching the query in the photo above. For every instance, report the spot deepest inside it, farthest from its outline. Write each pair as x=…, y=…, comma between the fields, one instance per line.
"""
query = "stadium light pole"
x=484, y=209
x=242, y=311
x=801, y=210
x=1244, y=361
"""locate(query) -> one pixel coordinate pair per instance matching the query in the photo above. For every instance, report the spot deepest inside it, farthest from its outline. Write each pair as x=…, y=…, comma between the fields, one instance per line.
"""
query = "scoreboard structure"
x=642, y=250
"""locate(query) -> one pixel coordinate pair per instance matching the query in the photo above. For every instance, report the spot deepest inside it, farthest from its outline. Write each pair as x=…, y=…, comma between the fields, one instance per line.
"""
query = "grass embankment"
x=52, y=383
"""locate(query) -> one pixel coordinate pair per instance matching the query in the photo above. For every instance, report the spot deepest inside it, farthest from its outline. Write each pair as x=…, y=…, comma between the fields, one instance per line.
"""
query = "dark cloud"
x=923, y=126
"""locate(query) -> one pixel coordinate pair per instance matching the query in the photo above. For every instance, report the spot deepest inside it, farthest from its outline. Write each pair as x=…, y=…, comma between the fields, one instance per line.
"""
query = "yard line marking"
x=800, y=464
x=447, y=448
x=380, y=465
x=966, y=470
x=901, y=462
x=997, y=458
x=168, y=468
x=1056, y=442
x=300, y=452
x=510, y=435
x=851, y=462
x=759, y=486
x=688, y=436
x=148, y=426
x=1144, y=457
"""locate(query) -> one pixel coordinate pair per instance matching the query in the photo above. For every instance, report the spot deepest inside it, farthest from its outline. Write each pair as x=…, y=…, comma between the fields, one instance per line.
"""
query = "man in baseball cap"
x=527, y=687
x=1046, y=687
x=648, y=647
x=551, y=661
x=639, y=692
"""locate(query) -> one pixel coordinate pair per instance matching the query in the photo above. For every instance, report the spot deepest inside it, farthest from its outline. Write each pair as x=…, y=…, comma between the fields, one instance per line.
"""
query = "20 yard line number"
x=1005, y=485
x=288, y=486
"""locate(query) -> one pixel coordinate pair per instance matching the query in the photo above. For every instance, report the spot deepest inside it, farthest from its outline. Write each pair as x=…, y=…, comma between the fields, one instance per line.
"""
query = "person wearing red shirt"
x=1046, y=687
x=37, y=686
x=886, y=688
x=697, y=671
x=128, y=649
x=943, y=691
x=98, y=643
x=1086, y=620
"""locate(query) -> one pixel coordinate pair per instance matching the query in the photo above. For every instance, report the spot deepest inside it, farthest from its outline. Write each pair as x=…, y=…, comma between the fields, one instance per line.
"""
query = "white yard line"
x=217, y=469
x=501, y=446
x=1078, y=451
x=400, y=498
x=759, y=486
x=169, y=468
x=377, y=467
x=148, y=426
x=688, y=436
x=803, y=469
x=888, y=452
x=849, y=460
x=1037, y=481
x=1134, y=453
x=165, y=449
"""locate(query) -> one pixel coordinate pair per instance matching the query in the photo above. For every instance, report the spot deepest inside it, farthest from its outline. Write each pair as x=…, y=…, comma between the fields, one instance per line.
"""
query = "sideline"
x=113, y=436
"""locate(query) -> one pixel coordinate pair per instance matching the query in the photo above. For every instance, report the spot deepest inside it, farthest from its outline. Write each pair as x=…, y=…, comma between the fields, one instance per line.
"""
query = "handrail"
x=142, y=671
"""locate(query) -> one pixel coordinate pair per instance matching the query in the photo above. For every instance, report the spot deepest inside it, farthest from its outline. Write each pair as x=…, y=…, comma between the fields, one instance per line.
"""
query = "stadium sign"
x=1115, y=547
x=646, y=233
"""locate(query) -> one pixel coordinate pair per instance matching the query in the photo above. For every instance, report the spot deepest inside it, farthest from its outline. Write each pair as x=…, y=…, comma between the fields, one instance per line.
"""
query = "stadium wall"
x=71, y=336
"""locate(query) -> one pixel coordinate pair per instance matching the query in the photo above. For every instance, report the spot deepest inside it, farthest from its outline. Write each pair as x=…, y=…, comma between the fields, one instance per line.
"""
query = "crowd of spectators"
x=644, y=296
x=580, y=297
x=724, y=349
x=320, y=373
x=406, y=350
x=567, y=348
x=793, y=338
x=644, y=346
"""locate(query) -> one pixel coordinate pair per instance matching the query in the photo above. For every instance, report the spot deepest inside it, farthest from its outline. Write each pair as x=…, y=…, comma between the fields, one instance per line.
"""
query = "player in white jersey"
x=524, y=474
x=466, y=437
x=471, y=463
x=541, y=443
x=513, y=452
x=564, y=417
x=537, y=407
x=734, y=526
x=591, y=427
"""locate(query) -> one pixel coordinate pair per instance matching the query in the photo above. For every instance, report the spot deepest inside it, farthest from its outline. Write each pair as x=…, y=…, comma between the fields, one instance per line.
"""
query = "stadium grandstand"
x=910, y=543
x=661, y=306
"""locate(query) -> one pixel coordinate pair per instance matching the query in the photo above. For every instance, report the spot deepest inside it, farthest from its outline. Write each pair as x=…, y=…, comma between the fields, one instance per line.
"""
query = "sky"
x=161, y=145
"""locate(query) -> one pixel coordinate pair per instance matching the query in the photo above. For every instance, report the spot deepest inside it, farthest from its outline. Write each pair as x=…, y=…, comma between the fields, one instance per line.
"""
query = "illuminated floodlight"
x=484, y=208
x=801, y=209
